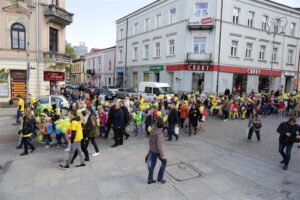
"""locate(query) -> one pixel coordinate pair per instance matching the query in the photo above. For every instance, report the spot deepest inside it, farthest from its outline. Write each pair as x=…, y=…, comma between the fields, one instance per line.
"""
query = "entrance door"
x=135, y=80
x=53, y=87
x=157, y=77
x=239, y=83
x=170, y=78
x=288, y=84
x=264, y=84
x=18, y=84
x=198, y=82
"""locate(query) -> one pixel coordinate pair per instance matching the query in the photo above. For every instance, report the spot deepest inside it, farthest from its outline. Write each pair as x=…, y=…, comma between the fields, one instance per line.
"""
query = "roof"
x=94, y=50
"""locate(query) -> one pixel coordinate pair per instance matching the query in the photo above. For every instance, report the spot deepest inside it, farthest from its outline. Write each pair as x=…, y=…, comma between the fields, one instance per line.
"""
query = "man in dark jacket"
x=289, y=133
x=173, y=120
x=119, y=125
x=110, y=120
x=126, y=118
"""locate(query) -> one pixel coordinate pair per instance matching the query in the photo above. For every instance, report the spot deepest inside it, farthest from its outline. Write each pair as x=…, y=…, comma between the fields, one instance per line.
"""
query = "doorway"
x=170, y=78
x=157, y=77
x=239, y=83
x=288, y=84
x=53, y=87
x=198, y=82
x=135, y=80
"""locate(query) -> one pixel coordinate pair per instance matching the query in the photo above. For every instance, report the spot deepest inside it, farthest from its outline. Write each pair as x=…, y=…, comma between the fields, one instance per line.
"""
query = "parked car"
x=124, y=92
x=113, y=89
x=108, y=94
x=61, y=102
x=151, y=90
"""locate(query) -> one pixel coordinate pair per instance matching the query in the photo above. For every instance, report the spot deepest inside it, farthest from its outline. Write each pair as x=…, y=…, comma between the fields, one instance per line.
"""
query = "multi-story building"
x=78, y=70
x=210, y=45
x=100, y=66
x=80, y=50
x=32, y=47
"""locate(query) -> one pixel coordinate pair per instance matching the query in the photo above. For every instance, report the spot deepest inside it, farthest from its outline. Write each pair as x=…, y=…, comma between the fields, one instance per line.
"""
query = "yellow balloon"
x=149, y=129
x=159, y=114
x=133, y=116
x=165, y=119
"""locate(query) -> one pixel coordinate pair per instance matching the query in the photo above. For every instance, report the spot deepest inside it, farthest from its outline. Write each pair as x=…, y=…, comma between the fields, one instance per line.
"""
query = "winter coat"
x=156, y=141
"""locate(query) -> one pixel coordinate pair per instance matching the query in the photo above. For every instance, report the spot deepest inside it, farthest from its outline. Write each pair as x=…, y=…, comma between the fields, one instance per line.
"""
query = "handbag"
x=176, y=130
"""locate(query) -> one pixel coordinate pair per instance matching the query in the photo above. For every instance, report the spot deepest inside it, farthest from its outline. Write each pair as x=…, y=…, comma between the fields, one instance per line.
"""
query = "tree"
x=70, y=51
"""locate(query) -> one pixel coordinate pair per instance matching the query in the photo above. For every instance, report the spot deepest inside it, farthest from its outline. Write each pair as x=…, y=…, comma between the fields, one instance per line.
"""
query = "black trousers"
x=84, y=150
x=26, y=142
x=92, y=139
x=225, y=114
x=108, y=127
x=182, y=120
x=251, y=133
x=119, y=136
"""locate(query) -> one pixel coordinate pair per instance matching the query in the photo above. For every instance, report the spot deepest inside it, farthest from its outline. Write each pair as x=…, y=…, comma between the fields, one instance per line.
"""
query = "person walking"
x=76, y=137
x=21, y=107
x=156, y=150
x=126, y=118
x=26, y=132
x=254, y=125
x=119, y=126
x=148, y=120
x=184, y=113
x=289, y=133
x=173, y=120
x=194, y=115
x=110, y=120
x=225, y=109
x=91, y=128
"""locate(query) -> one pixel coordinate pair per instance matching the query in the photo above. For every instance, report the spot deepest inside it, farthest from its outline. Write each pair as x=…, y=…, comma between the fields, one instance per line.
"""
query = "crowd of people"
x=89, y=116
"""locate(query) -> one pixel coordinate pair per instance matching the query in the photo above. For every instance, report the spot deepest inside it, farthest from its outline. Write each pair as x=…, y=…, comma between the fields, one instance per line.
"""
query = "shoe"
x=23, y=154
x=67, y=149
x=113, y=146
x=177, y=138
x=96, y=154
x=32, y=150
x=64, y=166
x=285, y=167
x=225, y=120
x=281, y=162
x=150, y=182
x=86, y=159
x=127, y=136
x=81, y=165
x=18, y=147
x=162, y=181
x=47, y=146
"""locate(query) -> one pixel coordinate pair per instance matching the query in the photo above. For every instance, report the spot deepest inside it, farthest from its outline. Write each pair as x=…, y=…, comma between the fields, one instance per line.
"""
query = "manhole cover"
x=182, y=172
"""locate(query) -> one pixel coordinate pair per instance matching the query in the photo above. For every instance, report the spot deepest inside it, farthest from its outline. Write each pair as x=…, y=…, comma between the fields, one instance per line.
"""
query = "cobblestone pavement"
x=217, y=165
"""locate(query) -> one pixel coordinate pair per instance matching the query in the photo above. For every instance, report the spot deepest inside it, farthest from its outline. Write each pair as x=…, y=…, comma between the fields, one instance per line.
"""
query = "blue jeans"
x=19, y=114
x=153, y=160
x=171, y=131
x=287, y=154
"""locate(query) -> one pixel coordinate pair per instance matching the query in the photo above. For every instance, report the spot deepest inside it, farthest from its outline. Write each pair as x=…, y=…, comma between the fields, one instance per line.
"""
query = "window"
x=171, y=47
x=233, y=49
x=147, y=24
x=290, y=58
x=292, y=31
x=148, y=90
x=264, y=22
x=121, y=34
x=135, y=53
x=53, y=39
x=199, y=44
x=262, y=52
x=135, y=28
x=109, y=65
x=250, y=18
x=18, y=36
x=157, y=49
x=274, y=54
x=201, y=9
x=158, y=20
x=172, y=16
x=276, y=25
x=146, y=77
x=43, y=100
x=120, y=55
x=235, y=15
x=146, y=51
x=248, y=50
x=109, y=81
x=55, y=2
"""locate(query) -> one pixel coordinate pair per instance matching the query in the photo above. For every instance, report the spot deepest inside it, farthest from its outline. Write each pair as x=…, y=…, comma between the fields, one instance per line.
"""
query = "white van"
x=151, y=90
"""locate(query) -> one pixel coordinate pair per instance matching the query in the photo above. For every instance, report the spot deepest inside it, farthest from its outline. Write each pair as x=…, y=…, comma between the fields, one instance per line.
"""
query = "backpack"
x=256, y=123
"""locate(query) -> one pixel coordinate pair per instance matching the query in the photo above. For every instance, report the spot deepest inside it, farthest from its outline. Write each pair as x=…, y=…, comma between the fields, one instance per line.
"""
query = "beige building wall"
x=37, y=22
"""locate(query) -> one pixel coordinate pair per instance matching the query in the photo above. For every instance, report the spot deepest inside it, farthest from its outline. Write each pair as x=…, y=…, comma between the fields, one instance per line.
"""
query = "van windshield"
x=166, y=90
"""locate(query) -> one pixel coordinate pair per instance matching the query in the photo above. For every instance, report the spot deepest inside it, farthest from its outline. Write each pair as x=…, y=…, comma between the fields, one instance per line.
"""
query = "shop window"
x=239, y=83
x=18, y=36
x=146, y=77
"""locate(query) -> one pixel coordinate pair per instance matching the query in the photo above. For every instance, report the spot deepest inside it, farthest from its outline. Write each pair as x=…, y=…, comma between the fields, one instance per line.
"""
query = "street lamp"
x=276, y=26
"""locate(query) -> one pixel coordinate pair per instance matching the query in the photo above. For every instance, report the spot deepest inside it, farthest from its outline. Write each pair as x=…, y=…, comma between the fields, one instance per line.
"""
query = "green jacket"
x=138, y=119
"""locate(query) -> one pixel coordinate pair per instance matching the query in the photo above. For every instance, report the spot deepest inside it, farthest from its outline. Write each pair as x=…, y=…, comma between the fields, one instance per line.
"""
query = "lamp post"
x=276, y=26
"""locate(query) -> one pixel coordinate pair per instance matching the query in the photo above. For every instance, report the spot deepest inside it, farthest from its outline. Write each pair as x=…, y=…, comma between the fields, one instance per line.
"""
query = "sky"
x=94, y=20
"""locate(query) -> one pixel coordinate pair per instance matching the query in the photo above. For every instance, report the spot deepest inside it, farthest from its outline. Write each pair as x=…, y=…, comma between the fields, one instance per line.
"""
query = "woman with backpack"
x=254, y=125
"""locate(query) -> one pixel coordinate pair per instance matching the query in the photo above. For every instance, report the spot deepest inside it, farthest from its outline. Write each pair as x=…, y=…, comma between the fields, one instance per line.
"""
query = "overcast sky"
x=94, y=20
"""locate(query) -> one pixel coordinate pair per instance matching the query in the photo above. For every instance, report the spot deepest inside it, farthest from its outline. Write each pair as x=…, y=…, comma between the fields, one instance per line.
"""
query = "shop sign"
x=254, y=71
x=203, y=21
x=18, y=75
x=157, y=68
x=54, y=76
x=198, y=67
x=120, y=69
x=289, y=73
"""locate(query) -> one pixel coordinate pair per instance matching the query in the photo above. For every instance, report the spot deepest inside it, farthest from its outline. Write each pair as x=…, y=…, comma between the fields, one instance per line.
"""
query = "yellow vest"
x=76, y=126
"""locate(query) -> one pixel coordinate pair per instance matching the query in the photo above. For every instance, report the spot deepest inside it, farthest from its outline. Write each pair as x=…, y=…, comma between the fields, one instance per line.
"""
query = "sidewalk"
x=8, y=111
x=196, y=170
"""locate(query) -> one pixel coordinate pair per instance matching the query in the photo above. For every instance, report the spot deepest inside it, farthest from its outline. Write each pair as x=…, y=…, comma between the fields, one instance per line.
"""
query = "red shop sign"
x=207, y=20
x=54, y=76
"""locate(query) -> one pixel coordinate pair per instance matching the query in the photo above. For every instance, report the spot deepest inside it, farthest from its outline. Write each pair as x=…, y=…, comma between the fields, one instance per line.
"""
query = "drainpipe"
x=38, y=46
x=126, y=45
x=219, y=50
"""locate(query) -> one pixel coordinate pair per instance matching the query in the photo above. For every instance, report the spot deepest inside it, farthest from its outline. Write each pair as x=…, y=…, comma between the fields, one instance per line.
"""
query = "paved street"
x=218, y=165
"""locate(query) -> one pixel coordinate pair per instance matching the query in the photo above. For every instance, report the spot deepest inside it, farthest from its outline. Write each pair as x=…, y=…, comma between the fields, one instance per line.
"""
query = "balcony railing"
x=57, y=58
x=58, y=15
x=193, y=57
x=90, y=71
x=201, y=23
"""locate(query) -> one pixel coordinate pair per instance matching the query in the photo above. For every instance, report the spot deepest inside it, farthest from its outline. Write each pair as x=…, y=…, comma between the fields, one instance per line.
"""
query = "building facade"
x=80, y=50
x=78, y=71
x=210, y=45
x=32, y=47
x=100, y=66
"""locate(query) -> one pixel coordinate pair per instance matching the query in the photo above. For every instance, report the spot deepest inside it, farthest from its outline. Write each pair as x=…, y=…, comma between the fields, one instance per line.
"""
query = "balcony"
x=58, y=15
x=199, y=57
x=198, y=23
x=90, y=71
x=57, y=58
